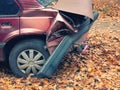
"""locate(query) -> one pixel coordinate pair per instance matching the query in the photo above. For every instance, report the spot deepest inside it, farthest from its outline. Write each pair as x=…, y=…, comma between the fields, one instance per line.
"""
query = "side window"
x=8, y=7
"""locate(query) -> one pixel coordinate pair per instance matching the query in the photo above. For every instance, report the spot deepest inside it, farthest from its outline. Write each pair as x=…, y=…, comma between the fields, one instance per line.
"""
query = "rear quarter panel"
x=35, y=21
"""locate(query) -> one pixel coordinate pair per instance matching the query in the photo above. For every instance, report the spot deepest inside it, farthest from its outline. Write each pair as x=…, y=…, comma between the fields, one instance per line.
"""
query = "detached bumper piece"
x=61, y=50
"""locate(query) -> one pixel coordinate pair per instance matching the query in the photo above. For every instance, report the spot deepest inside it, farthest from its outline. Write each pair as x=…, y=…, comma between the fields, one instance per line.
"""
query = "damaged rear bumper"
x=61, y=50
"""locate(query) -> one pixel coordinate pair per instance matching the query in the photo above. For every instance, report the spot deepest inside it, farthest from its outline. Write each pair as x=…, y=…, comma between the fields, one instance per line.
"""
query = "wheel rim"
x=30, y=62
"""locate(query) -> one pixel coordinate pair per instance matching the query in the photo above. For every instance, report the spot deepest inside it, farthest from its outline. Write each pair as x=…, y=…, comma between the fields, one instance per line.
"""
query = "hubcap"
x=30, y=61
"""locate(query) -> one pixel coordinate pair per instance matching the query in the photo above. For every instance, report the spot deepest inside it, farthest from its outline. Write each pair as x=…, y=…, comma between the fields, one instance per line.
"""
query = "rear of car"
x=34, y=39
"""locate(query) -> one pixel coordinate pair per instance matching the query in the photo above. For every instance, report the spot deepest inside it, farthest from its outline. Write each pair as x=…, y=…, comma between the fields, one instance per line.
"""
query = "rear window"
x=45, y=2
x=8, y=7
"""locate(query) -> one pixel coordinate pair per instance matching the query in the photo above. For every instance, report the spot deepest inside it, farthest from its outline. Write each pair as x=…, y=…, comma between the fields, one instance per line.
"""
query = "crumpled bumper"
x=61, y=50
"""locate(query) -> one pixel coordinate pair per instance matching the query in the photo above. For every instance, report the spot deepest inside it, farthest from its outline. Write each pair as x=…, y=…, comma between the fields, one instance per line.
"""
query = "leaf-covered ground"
x=99, y=69
x=107, y=7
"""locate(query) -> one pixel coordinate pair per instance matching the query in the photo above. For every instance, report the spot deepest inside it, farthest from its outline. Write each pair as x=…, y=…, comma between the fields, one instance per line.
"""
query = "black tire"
x=27, y=58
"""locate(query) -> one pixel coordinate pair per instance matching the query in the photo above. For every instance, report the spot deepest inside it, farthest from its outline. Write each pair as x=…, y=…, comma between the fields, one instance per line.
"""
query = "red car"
x=34, y=39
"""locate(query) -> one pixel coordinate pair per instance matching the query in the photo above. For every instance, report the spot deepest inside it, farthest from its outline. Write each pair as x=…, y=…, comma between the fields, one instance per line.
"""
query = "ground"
x=99, y=69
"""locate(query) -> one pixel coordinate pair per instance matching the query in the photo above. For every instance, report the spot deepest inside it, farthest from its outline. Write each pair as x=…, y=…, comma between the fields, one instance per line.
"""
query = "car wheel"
x=28, y=57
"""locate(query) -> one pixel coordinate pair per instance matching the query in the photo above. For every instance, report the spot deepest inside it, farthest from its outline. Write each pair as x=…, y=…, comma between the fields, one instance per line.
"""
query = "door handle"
x=6, y=25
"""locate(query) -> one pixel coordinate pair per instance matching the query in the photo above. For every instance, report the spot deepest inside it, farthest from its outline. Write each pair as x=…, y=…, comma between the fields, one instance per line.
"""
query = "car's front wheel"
x=28, y=57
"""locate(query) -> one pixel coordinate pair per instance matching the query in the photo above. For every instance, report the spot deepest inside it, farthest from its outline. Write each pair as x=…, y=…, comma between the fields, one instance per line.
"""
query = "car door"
x=9, y=21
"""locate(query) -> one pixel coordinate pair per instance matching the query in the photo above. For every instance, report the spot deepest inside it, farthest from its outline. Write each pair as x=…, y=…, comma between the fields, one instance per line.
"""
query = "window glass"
x=8, y=7
x=45, y=2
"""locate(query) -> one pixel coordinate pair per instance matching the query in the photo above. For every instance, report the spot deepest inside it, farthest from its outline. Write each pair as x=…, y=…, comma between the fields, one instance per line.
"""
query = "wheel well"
x=11, y=43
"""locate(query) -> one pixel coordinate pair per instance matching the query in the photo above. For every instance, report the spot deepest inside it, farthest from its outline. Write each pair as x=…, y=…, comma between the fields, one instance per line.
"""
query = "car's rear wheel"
x=28, y=57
